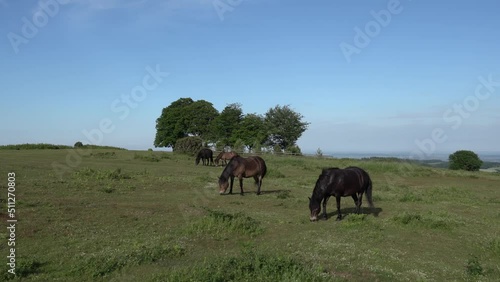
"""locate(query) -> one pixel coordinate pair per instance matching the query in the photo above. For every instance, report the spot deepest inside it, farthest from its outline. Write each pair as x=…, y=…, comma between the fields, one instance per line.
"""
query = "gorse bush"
x=188, y=145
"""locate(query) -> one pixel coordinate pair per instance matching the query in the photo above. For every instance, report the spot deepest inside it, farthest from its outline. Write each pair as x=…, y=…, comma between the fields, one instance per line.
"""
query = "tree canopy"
x=285, y=126
x=465, y=160
x=184, y=118
x=279, y=126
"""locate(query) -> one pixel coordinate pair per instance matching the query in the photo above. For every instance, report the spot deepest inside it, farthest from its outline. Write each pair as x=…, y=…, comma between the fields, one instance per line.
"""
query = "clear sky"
x=370, y=76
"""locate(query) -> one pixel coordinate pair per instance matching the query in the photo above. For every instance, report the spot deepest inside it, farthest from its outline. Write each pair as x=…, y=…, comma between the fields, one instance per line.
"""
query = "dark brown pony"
x=242, y=168
x=205, y=155
x=351, y=181
x=224, y=156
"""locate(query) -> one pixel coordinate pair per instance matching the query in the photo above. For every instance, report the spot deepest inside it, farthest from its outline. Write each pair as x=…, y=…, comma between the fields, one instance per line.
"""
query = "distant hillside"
x=44, y=146
x=487, y=165
x=445, y=164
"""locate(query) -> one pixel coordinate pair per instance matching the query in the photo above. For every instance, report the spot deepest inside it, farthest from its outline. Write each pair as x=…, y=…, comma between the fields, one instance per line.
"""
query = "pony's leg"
x=339, y=215
x=231, y=185
x=258, y=181
x=241, y=185
x=360, y=196
x=356, y=202
x=325, y=200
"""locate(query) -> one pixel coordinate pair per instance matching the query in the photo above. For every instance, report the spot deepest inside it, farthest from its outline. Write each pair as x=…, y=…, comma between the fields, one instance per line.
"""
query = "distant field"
x=154, y=216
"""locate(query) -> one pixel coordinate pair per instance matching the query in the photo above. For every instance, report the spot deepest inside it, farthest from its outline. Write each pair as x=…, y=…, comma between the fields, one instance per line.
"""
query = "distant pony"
x=205, y=155
x=351, y=181
x=224, y=156
x=242, y=168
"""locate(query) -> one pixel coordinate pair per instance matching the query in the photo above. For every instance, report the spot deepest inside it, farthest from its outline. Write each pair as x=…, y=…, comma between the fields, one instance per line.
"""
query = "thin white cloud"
x=146, y=12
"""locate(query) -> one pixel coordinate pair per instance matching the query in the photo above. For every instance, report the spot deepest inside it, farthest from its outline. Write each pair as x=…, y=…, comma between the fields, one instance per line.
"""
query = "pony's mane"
x=319, y=189
x=228, y=169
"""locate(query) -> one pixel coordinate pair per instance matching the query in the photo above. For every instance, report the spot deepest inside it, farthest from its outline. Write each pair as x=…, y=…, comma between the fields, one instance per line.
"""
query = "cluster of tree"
x=279, y=128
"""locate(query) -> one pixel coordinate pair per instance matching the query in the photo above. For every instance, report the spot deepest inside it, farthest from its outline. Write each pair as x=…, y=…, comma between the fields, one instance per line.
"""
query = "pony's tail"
x=369, y=193
x=198, y=159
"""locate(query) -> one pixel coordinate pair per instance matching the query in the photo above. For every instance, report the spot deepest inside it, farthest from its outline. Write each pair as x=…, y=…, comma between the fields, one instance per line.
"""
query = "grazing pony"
x=224, y=156
x=242, y=168
x=205, y=155
x=351, y=181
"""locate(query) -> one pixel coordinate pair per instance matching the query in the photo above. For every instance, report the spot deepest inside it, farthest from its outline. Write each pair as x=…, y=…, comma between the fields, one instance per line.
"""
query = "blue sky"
x=418, y=76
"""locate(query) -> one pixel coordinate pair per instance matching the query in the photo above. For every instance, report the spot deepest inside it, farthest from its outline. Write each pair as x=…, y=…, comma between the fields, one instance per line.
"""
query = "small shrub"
x=188, y=145
x=218, y=223
x=78, y=144
x=407, y=218
x=319, y=153
x=473, y=267
x=283, y=194
x=294, y=150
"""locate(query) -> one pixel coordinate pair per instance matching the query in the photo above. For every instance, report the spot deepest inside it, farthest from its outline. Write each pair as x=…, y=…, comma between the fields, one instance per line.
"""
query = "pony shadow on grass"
x=279, y=191
x=364, y=210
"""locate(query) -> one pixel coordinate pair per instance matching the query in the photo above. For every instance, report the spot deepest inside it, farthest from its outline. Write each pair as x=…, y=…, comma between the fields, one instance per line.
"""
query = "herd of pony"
x=351, y=181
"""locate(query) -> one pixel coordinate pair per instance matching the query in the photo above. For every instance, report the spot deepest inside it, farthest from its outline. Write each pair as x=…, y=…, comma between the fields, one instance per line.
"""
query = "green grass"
x=123, y=215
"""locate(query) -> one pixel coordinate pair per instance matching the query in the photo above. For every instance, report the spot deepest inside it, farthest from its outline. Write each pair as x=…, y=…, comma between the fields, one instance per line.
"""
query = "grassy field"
x=153, y=216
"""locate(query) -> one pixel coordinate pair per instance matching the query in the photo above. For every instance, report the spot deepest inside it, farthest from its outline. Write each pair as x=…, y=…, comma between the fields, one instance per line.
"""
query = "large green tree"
x=284, y=125
x=224, y=125
x=182, y=118
x=251, y=130
x=465, y=160
x=198, y=117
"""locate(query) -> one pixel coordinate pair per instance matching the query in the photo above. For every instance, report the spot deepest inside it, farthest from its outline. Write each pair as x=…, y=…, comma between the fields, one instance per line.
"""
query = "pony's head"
x=315, y=208
x=223, y=184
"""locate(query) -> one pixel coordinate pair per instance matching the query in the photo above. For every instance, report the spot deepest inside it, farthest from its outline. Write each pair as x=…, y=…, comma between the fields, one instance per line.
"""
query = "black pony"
x=205, y=155
x=351, y=181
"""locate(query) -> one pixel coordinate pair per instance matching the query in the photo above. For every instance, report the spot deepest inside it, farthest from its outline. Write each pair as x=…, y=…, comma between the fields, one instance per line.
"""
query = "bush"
x=465, y=160
x=474, y=267
x=294, y=150
x=277, y=149
x=188, y=145
x=78, y=144
x=319, y=153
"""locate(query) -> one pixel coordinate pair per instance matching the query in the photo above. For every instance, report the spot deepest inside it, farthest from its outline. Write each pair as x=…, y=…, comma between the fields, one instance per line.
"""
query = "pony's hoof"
x=339, y=218
x=241, y=194
x=258, y=193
